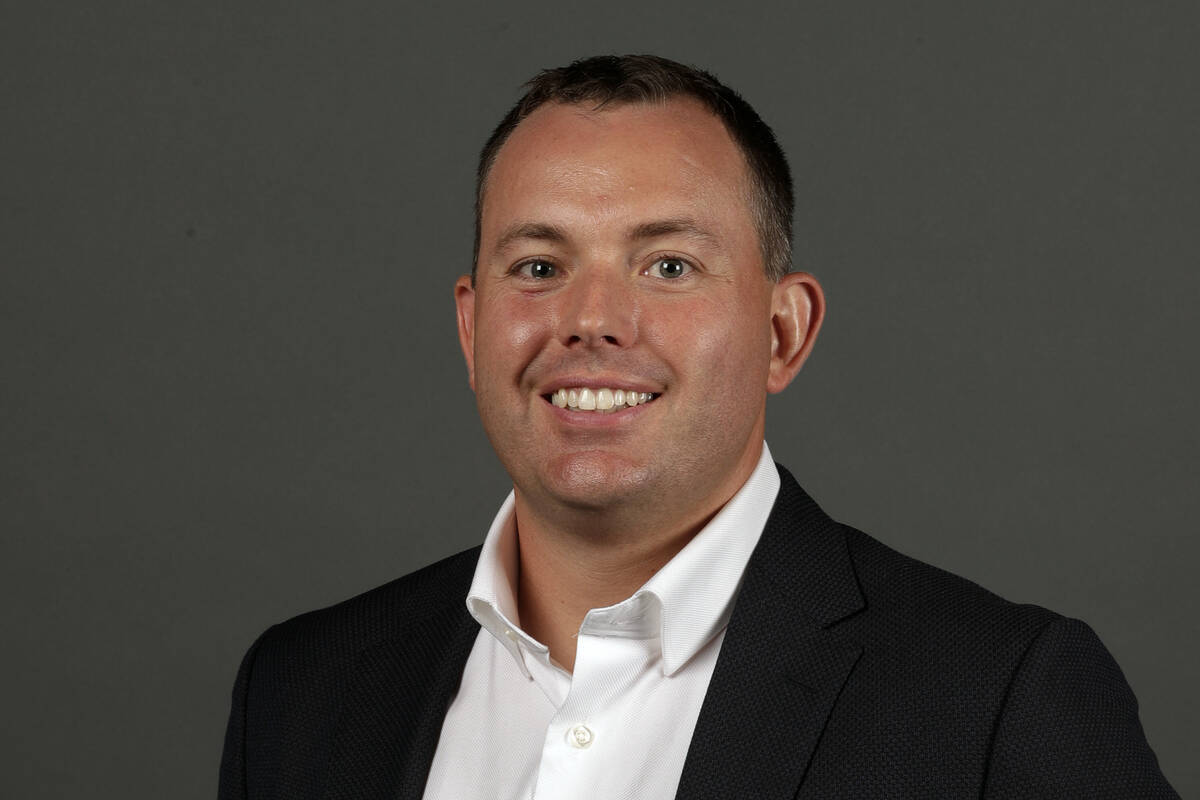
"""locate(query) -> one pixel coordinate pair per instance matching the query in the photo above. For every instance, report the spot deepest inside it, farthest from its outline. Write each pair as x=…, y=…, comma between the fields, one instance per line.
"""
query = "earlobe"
x=797, y=310
x=464, y=302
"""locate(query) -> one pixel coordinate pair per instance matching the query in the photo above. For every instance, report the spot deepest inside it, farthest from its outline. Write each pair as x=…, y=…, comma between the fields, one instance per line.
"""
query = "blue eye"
x=671, y=267
x=537, y=268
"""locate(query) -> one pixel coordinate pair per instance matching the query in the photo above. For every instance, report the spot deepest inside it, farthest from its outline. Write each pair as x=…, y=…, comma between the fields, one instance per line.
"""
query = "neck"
x=570, y=563
x=563, y=577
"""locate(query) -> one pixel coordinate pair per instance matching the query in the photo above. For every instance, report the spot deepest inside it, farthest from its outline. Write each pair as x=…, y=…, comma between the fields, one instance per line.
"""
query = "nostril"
x=604, y=338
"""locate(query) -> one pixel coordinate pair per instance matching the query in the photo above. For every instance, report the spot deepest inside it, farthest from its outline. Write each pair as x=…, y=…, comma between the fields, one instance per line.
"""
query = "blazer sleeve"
x=232, y=785
x=1070, y=726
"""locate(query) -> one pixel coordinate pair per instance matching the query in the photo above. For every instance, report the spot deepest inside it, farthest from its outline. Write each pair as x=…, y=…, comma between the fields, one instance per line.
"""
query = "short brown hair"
x=605, y=80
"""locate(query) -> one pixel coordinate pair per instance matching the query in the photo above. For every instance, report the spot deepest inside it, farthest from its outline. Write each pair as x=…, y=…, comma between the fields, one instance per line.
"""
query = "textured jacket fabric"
x=847, y=671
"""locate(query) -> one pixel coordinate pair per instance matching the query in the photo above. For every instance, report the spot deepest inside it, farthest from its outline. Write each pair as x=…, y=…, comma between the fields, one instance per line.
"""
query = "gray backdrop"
x=232, y=389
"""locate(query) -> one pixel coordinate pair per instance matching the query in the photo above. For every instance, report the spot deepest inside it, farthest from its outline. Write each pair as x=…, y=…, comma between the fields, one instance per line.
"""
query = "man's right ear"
x=464, y=301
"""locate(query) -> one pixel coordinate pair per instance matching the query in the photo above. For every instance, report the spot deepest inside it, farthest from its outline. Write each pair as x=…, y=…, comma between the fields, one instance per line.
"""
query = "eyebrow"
x=540, y=231
x=546, y=232
x=669, y=227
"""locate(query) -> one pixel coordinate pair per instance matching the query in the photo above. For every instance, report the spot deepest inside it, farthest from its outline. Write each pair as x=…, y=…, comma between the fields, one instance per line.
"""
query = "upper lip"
x=597, y=382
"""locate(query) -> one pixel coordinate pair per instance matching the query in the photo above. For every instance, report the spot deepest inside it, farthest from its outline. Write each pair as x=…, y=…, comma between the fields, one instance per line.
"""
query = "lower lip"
x=593, y=419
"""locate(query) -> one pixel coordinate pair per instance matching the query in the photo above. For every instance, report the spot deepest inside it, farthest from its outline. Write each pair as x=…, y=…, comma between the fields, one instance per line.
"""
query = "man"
x=658, y=610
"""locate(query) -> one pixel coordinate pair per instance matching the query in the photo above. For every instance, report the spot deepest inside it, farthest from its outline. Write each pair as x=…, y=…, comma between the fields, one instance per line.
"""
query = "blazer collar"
x=803, y=558
x=781, y=666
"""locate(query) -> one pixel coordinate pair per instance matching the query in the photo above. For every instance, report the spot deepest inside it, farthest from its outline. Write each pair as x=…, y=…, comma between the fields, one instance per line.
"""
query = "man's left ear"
x=797, y=309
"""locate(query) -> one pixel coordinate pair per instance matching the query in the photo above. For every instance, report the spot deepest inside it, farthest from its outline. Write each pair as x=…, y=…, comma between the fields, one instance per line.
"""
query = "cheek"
x=508, y=335
x=714, y=343
x=518, y=333
x=741, y=365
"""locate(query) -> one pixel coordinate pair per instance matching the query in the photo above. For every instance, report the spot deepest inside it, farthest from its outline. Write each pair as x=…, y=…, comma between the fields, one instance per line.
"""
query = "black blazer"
x=847, y=671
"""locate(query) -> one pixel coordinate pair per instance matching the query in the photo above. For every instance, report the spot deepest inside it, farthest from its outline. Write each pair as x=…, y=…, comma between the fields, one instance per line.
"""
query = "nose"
x=599, y=309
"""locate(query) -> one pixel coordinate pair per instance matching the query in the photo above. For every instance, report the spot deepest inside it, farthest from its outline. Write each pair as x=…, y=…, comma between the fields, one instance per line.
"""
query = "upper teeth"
x=585, y=399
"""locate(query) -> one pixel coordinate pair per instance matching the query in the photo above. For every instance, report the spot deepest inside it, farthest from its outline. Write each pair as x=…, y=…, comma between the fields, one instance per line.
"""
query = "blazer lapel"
x=780, y=668
x=393, y=713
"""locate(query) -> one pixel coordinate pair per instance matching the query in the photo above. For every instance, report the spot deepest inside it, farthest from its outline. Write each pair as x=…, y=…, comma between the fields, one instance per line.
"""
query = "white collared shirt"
x=521, y=727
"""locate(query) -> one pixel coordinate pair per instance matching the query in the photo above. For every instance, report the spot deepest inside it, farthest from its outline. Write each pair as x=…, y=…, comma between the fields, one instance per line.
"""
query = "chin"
x=596, y=481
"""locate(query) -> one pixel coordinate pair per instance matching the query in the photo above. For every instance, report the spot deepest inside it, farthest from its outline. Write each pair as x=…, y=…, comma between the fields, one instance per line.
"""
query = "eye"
x=536, y=268
x=670, y=267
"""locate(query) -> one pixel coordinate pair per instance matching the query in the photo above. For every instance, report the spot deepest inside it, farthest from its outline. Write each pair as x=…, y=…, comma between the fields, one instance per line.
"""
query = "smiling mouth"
x=602, y=401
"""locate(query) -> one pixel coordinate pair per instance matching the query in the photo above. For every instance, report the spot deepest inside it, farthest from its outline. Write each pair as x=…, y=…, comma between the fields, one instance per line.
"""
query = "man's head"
x=605, y=81
x=620, y=254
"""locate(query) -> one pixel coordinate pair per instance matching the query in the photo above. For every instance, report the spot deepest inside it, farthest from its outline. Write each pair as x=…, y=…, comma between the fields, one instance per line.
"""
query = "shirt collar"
x=688, y=601
x=697, y=587
x=492, y=598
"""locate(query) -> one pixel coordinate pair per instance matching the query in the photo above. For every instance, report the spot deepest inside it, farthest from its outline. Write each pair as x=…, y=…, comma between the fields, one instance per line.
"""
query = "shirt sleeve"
x=1070, y=726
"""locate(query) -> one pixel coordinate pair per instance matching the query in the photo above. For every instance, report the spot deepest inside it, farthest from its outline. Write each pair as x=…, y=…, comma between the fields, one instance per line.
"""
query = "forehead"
x=674, y=157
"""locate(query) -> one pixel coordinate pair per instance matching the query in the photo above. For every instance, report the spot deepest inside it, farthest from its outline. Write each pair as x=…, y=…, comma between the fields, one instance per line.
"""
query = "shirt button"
x=511, y=634
x=580, y=736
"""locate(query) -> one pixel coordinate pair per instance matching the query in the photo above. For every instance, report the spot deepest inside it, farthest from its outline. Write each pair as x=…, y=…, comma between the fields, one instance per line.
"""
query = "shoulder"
x=1021, y=667
x=902, y=593
x=961, y=676
x=941, y=626
x=432, y=595
x=289, y=693
x=846, y=578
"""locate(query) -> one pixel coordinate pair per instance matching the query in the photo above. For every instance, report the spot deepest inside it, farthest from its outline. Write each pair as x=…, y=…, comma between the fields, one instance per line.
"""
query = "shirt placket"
x=585, y=741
